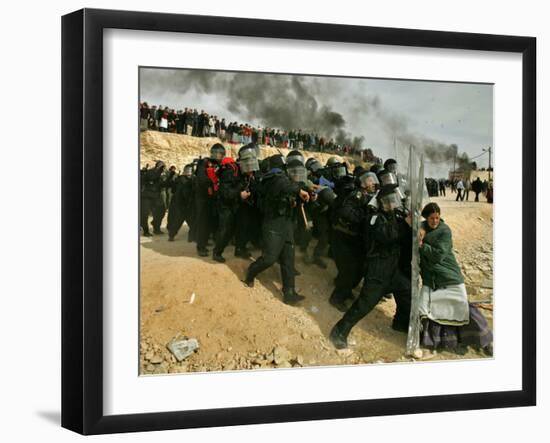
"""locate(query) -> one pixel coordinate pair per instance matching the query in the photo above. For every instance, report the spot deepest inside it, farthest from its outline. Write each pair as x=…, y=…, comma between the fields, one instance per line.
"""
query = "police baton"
x=307, y=223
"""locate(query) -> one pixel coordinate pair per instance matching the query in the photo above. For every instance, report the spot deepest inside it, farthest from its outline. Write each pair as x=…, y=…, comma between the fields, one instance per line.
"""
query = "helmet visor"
x=249, y=164
x=315, y=166
x=339, y=171
x=298, y=157
x=369, y=181
x=390, y=201
x=388, y=178
x=297, y=173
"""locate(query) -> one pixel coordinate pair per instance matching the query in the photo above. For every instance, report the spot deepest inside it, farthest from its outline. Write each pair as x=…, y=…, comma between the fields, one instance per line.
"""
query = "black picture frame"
x=82, y=218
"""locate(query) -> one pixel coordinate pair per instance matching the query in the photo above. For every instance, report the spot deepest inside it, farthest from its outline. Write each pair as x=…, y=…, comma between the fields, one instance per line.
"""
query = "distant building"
x=471, y=175
x=456, y=175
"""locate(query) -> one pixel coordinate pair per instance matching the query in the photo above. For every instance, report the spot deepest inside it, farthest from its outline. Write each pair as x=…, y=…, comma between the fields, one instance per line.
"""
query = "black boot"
x=249, y=280
x=291, y=297
x=203, y=252
x=338, y=301
x=147, y=234
x=171, y=238
x=340, y=331
x=339, y=304
x=339, y=336
x=218, y=257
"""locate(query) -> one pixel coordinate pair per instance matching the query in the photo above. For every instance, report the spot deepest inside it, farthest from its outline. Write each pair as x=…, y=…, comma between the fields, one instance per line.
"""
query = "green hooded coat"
x=439, y=267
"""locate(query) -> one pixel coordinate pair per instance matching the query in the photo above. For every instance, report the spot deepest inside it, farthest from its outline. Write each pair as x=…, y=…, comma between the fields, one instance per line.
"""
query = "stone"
x=150, y=368
x=280, y=355
x=344, y=352
x=304, y=335
x=156, y=359
x=183, y=347
x=149, y=355
x=300, y=360
x=162, y=368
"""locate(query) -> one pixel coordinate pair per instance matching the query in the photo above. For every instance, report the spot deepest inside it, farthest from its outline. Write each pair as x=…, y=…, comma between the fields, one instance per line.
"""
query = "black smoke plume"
x=289, y=102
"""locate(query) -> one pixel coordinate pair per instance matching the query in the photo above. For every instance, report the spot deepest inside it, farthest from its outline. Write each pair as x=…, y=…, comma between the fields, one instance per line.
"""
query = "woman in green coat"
x=449, y=322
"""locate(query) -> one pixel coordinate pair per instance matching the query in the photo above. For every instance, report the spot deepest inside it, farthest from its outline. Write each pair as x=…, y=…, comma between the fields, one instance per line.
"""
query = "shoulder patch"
x=373, y=220
x=358, y=195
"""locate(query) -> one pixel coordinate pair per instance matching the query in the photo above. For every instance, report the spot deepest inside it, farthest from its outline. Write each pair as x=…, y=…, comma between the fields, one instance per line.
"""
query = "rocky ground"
x=241, y=328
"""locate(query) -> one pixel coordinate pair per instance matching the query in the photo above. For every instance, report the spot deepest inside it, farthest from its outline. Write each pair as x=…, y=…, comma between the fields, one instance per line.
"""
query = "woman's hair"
x=429, y=209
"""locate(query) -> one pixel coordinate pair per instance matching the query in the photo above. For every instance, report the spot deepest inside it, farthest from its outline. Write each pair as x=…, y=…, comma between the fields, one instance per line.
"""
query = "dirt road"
x=242, y=328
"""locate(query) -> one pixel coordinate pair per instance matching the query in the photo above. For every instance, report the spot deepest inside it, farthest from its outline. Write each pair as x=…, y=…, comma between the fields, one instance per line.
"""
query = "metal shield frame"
x=82, y=217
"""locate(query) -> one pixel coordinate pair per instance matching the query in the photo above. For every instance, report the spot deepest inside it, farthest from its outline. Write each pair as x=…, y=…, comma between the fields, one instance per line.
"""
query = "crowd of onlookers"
x=201, y=124
x=461, y=188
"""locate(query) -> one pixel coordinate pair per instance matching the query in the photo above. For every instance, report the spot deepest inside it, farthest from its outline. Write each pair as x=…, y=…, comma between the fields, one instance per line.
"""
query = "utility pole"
x=490, y=151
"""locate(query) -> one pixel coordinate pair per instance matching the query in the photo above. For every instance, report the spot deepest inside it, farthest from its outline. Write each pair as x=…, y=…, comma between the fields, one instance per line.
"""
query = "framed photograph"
x=269, y=221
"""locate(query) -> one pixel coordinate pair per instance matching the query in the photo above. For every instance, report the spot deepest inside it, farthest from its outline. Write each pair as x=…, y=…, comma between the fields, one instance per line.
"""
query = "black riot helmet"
x=313, y=165
x=358, y=171
x=296, y=171
x=388, y=178
x=295, y=155
x=276, y=161
x=248, y=162
x=264, y=165
x=391, y=165
x=159, y=164
x=217, y=152
x=337, y=167
x=253, y=147
x=327, y=196
x=376, y=168
x=388, y=198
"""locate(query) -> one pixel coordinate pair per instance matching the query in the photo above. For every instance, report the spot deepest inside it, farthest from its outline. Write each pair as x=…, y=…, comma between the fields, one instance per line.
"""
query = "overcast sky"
x=384, y=112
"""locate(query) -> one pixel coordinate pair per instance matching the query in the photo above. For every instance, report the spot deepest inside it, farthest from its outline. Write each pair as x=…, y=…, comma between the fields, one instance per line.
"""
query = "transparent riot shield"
x=417, y=198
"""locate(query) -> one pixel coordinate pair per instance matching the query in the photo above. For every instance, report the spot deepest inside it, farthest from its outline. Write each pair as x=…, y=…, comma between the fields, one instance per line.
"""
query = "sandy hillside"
x=240, y=328
x=178, y=149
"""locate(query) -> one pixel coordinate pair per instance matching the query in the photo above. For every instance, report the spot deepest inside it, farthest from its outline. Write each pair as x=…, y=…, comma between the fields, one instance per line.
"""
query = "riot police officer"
x=348, y=249
x=151, y=198
x=206, y=187
x=248, y=215
x=278, y=195
x=230, y=193
x=386, y=231
x=181, y=204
